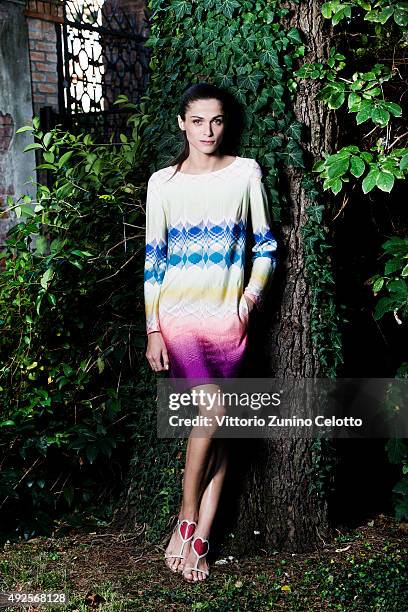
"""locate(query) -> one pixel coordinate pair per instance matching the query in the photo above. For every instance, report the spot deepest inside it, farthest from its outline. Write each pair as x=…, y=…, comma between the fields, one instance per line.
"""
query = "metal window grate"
x=101, y=54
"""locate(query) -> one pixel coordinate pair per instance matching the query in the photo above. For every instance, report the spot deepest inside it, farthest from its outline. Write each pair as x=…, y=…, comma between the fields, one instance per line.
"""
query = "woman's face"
x=204, y=125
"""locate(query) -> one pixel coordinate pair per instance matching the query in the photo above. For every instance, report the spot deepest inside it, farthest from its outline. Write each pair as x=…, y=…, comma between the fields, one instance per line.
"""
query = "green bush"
x=72, y=373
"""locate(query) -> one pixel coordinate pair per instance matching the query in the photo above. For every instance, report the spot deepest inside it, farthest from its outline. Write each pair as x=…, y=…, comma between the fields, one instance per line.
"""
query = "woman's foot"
x=179, y=545
x=196, y=567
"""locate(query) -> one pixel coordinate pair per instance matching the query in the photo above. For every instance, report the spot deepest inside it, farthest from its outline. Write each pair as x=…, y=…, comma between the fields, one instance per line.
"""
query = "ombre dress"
x=194, y=267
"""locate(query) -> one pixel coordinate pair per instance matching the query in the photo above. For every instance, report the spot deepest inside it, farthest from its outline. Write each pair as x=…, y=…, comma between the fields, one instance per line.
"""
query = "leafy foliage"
x=72, y=326
x=247, y=49
x=393, y=281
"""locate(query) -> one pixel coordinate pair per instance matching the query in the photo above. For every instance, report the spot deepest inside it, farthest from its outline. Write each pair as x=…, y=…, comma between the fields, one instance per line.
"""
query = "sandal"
x=186, y=530
x=200, y=546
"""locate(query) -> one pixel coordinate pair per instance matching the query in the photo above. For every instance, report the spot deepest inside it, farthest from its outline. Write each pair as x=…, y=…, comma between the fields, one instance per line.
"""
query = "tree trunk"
x=276, y=510
x=269, y=481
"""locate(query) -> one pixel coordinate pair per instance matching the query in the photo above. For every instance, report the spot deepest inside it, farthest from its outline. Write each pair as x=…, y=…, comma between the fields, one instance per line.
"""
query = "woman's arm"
x=154, y=269
x=264, y=249
x=156, y=254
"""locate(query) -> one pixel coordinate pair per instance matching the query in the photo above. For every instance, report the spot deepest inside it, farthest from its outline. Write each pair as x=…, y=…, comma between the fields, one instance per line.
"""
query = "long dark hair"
x=206, y=91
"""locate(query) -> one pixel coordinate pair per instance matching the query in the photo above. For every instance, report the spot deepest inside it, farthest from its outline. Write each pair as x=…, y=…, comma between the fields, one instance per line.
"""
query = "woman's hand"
x=156, y=352
x=250, y=303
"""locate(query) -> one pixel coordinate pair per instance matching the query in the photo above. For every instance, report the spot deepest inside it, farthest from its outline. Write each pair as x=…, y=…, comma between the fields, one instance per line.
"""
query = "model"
x=197, y=309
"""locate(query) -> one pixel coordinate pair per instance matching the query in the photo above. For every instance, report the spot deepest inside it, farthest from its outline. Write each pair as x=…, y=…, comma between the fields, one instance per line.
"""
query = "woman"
x=197, y=311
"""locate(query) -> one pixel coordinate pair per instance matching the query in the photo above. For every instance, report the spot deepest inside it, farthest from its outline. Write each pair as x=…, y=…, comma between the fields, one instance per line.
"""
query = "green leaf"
x=336, y=100
x=393, y=108
x=30, y=147
x=385, y=181
x=327, y=10
x=81, y=253
x=363, y=115
x=250, y=81
x=378, y=285
x=295, y=130
x=47, y=167
x=380, y=116
x=399, y=288
x=357, y=166
x=49, y=157
x=46, y=277
x=354, y=101
x=64, y=158
x=47, y=139
x=181, y=8
x=270, y=56
x=25, y=128
x=393, y=265
x=401, y=16
x=368, y=158
x=319, y=166
x=294, y=156
x=227, y=7
x=261, y=100
x=350, y=149
x=336, y=186
x=41, y=245
x=57, y=245
x=385, y=14
x=27, y=210
x=371, y=92
x=225, y=80
x=396, y=246
x=7, y=423
x=370, y=180
x=383, y=306
x=403, y=165
x=338, y=168
x=52, y=299
x=397, y=450
x=294, y=35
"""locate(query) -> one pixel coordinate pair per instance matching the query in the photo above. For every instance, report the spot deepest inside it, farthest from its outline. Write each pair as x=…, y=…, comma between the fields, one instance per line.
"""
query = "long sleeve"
x=264, y=249
x=156, y=254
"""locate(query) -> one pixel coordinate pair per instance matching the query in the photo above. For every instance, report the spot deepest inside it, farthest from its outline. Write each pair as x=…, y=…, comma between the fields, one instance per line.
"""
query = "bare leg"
x=198, y=462
x=208, y=509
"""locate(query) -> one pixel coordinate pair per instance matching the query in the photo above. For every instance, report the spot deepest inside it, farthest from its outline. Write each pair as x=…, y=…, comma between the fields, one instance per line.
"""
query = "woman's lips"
x=207, y=141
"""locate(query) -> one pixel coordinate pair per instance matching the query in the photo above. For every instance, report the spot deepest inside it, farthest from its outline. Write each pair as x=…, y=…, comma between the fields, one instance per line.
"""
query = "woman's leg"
x=198, y=463
x=208, y=509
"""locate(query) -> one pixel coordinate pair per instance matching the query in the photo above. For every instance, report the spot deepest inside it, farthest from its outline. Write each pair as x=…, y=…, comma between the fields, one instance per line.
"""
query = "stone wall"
x=15, y=109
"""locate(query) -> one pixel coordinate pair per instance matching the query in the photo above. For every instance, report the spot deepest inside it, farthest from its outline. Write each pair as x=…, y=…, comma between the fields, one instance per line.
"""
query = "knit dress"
x=196, y=226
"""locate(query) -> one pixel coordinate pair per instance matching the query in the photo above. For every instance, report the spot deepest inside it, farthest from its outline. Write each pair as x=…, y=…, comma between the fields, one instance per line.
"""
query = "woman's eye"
x=217, y=121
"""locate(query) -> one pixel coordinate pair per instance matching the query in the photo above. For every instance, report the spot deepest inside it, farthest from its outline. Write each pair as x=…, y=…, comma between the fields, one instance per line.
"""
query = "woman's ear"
x=180, y=122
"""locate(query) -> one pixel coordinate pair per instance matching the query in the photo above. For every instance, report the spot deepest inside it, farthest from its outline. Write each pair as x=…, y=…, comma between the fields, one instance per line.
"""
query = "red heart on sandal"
x=200, y=546
x=187, y=529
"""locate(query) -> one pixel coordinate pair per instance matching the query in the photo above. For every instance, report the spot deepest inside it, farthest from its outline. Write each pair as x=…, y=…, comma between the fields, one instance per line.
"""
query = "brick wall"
x=43, y=59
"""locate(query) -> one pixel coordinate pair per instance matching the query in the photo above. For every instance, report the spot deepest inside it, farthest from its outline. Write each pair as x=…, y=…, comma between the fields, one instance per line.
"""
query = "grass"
x=364, y=570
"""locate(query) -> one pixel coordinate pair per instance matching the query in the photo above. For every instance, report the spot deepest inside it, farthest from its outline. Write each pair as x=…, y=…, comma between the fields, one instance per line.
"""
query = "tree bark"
x=276, y=510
